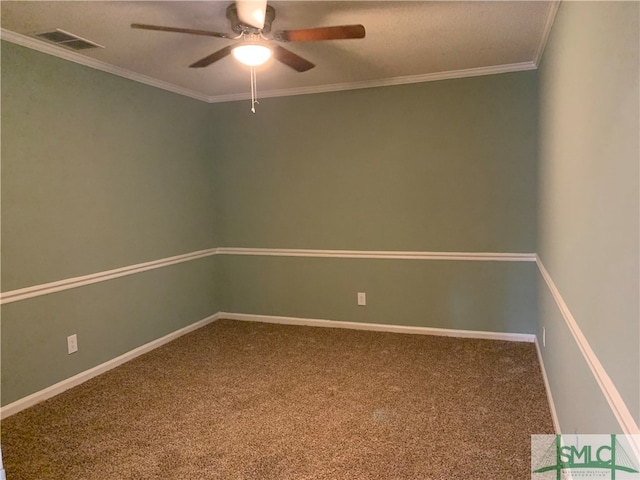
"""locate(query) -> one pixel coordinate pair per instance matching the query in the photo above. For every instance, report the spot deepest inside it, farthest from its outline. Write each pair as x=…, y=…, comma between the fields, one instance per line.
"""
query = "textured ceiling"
x=405, y=42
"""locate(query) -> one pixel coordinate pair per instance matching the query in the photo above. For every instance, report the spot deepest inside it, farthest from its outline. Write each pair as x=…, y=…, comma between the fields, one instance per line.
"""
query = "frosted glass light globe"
x=252, y=55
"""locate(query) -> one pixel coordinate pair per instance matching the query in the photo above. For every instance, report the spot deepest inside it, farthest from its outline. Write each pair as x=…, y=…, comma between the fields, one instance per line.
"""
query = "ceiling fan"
x=251, y=25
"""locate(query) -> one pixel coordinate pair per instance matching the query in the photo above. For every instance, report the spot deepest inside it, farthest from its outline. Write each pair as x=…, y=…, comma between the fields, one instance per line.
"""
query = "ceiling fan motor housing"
x=255, y=35
x=238, y=27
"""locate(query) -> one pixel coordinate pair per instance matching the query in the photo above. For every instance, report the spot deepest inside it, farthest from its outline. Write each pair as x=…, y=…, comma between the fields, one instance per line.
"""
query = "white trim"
x=398, y=255
x=74, y=282
x=3, y=475
x=61, y=52
x=385, y=82
x=60, y=285
x=609, y=390
x=551, y=16
x=82, y=377
x=547, y=387
x=378, y=327
x=71, y=56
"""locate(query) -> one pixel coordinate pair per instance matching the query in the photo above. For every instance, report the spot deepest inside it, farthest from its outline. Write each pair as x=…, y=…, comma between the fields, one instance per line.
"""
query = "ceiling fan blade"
x=191, y=31
x=214, y=57
x=252, y=12
x=291, y=59
x=339, y=32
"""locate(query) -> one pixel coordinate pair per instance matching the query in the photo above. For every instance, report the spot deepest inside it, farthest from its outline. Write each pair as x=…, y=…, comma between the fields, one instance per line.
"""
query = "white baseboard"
x=379, y=327
x=82, y=377
x=547, y=387
x=3, y=475
x=609, y=390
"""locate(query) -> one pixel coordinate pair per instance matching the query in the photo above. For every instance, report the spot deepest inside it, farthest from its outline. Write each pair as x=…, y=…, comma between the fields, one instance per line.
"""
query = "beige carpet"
x=238, y=400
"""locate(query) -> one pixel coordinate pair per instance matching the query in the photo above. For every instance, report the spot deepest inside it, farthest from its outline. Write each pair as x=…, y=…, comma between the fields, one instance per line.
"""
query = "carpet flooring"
x=241, y=400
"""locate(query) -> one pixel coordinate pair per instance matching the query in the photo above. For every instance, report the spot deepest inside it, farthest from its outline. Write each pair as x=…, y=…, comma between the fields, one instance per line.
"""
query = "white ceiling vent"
x=66, y=39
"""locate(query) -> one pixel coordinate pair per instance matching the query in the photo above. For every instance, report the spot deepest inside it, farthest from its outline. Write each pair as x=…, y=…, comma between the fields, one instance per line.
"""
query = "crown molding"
x=385, y=82
x=551, y=16
x=60, y=52
x=50, y=49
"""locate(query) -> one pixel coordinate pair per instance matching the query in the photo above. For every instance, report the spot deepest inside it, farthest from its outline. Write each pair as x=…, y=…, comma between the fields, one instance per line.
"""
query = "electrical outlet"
x=72, y=343
x=544, y=337
x=362, y=298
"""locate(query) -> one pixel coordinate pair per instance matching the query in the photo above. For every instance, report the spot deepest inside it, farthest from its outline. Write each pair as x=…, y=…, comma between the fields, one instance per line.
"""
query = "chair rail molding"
x=75, y=282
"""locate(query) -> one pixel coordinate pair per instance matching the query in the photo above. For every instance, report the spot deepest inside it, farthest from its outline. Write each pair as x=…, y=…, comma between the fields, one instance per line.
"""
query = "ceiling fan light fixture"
x=258, y=16
x=252, y=55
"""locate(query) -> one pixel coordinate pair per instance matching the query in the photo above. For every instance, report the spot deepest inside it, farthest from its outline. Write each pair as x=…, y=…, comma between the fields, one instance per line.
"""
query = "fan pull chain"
x=254, y=90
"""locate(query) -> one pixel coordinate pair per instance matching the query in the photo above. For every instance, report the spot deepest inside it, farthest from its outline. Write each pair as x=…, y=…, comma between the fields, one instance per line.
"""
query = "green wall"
x=110, y=318
x=589, y=196
x=98, y=172
x=441, y=166
x=437, y=166
x=462, y=295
